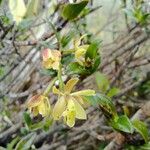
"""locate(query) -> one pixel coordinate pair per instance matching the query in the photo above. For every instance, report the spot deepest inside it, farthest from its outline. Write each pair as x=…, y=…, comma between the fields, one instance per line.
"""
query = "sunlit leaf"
x=123, y=123
x=113, y=91
x=71, y=11
x=141, y=128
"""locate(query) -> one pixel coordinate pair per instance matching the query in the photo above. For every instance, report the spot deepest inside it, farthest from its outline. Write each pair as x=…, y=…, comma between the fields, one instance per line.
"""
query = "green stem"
x=70, y=51
x=59, y=75
x=48, y=89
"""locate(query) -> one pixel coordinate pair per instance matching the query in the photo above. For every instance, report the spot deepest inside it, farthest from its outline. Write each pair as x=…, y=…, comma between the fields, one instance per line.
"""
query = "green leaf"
x=32, y=8
x=77, y=69
x=102, y=81
x=36, y=126
x=145, y=146
x=11, y=145
x=27, y=119
x=123, y=123
x=72, y=11
x=105, y=104
x=26, y=142
x=141, y=128
x=47, y=124
x=1, y=1
x=112, y=92
x=66, y=39
x=92, y=51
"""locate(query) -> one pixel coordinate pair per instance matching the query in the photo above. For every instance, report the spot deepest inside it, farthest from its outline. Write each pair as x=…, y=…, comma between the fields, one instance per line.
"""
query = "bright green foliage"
x=72, y=11
x=123, y=123
x=11, y=145
x=141, y=128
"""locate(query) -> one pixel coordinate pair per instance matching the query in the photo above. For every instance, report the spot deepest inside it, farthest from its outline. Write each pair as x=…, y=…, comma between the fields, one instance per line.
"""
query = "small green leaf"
x=47, y=124
x=145, y=146
x=11, y=145
x=102, y=81
x=92, y=51
x=72, y=11
x=77, y=69
x=123, y=123
x=27, y=119
x=112, y=92
x=141, y=128
x=26, y=142
x=105, y=104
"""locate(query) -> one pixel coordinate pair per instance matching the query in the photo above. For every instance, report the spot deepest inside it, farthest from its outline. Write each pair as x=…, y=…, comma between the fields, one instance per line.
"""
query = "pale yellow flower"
x=51, y=59
x=80, y=51
x=69, y=105
x=39, y=104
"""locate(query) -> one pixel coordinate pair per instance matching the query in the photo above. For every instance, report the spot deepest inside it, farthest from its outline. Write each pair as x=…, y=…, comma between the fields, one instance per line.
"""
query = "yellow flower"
x=80, y=51
x=69, y=105
x=39, y=104
x=51, y=59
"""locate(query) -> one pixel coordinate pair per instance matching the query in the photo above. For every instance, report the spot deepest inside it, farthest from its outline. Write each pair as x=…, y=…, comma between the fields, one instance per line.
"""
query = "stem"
x=59, y=75
x=70, y=51
x=47, y=90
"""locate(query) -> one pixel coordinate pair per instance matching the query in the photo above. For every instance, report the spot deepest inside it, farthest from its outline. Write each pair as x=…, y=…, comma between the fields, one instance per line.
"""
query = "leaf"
x=105, y=104
x=47, y=124
x=66, y=39
x=145, y=146
x=72, y=11
x=102, y=81
x=77, y=69
x=1, y=1
x=123, y=123
x=112, y=92
x=27, y=119
x=141, y=128
x=92, y=51
x=11, y=145
x=18, y=10
x=32, y=8
x=26, y=142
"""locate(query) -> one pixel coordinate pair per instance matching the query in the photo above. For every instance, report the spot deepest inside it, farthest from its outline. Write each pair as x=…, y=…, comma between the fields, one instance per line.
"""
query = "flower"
x=80, y=51
x=39, y=104
x=51, y=59
x=69, y=105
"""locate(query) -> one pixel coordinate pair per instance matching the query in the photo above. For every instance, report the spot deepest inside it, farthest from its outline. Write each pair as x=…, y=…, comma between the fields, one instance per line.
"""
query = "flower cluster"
x=70, y=105
x=51, y=59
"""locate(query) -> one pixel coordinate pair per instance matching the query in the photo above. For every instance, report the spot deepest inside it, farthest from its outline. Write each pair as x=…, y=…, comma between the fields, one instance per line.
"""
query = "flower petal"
x=70, y=84
x=70, y=113
x=34, y=101
x=83, y=93
x=59, y=108
x=55, y=65
x=80, y=112
x=35, y=111
x=46, y=54
x=42, y=109
x=55, y=90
